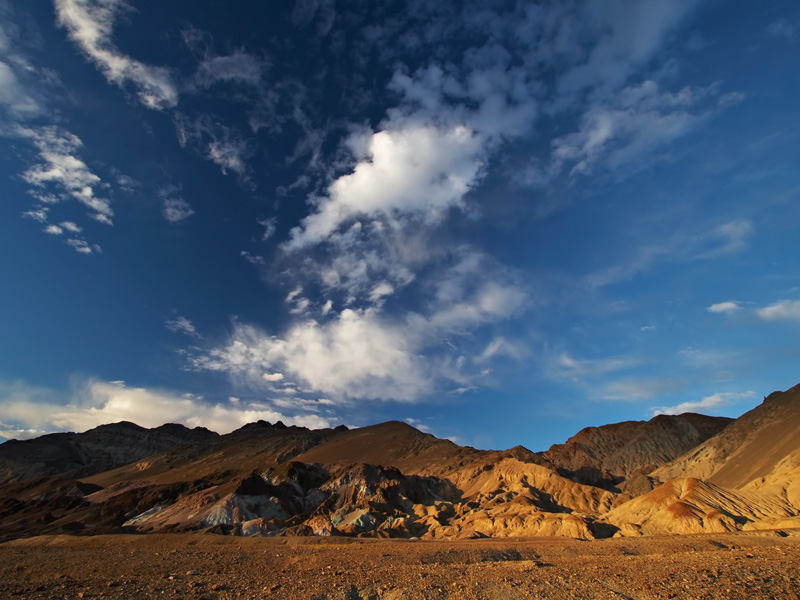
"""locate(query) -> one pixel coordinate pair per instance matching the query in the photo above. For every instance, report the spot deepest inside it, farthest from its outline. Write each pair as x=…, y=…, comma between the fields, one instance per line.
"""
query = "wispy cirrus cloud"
x=715, y=242
x=236, y=68
x=784, y=29
x=90, y=24
x=180, y=324
x=220, y=144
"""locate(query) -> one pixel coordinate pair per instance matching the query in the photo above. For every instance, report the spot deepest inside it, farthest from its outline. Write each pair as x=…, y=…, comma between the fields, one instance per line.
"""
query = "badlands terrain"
x=685, y=506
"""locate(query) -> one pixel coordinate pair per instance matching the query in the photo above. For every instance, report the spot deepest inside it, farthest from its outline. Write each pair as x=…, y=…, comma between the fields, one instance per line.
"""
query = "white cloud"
x=417, y=424
x=53, y=230
x=15, y=96
x=728, y=238
x=222, y=145
x=269, y=227
x=564, y=365
x=416, y=169
x=783, y=310
x=253, y=259
x=96, y=403
x=182, y=325
x=175, y=209
x=70, y=226
x=61, y=166
x=500, y=346
x=724, y=307
x=622, y=38
x=628, y=126
x=90, y=24
x=718, y=241
x=380, y=291
x=81, y=246
x=706, y=405
x=635, y=389
x=356, y=355
x=274, y=377
x=40, y=214
x=229, y=154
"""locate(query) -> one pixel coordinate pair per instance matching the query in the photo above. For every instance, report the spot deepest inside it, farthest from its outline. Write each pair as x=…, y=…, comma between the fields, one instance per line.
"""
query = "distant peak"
x=118, y=425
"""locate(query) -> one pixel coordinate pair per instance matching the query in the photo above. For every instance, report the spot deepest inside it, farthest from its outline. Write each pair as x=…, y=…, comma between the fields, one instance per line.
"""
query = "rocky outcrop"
x=690, y=505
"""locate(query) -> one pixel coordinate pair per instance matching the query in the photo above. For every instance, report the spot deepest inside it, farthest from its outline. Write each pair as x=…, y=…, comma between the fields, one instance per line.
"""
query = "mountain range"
x=679, y=474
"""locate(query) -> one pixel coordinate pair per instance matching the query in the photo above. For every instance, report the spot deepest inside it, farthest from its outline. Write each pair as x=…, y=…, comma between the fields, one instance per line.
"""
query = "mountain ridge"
x=392, y=480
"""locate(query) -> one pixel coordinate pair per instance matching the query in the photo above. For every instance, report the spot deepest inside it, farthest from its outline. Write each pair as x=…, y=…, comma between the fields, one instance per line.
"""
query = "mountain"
x=673, y=474
x=745, y=477
x=99, y=449
x=762, y=444
x=613, y=453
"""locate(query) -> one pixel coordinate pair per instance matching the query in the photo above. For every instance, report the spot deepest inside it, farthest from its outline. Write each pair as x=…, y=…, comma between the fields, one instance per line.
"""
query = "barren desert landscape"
x=766, y=565
x=685, y=506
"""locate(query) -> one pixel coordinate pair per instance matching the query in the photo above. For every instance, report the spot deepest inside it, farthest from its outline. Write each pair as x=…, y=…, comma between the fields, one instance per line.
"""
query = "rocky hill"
x=391, y=480
x=99, y=449
x=762, y=444
x=613, y=453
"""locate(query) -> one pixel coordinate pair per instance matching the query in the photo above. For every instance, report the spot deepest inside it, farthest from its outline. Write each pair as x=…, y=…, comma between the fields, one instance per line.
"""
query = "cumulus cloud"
x=709, y=404
x=31, y=411
x=81, y=246
x=355, y=355
x=419, y=169
x=784, y=310
x=90, y=24
x=70, y=226
x=724, y=307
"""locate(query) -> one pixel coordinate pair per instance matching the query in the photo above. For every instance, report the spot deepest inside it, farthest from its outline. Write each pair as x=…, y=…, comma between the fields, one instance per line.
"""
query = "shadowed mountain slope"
x=97, y=450
x=621, y=450
x=761, y=444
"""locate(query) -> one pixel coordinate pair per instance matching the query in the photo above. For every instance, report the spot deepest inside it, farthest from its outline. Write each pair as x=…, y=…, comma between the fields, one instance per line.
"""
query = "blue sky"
x=498, y=221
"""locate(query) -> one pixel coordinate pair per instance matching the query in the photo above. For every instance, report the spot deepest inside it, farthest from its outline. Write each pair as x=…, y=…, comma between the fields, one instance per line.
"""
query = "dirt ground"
x=751, y=566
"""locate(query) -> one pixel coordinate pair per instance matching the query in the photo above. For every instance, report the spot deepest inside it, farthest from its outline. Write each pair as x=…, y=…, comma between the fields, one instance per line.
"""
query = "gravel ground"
x=215, y=567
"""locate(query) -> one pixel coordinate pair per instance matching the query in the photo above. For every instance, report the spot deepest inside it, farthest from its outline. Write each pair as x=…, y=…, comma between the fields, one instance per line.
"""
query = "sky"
x=498, y=221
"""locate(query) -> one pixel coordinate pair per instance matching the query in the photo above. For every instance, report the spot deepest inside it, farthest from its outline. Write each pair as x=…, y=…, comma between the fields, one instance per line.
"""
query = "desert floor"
x=752, y=566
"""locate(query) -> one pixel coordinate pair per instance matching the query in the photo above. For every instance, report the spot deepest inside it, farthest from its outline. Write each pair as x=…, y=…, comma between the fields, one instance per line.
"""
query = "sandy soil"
x=749, y=566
